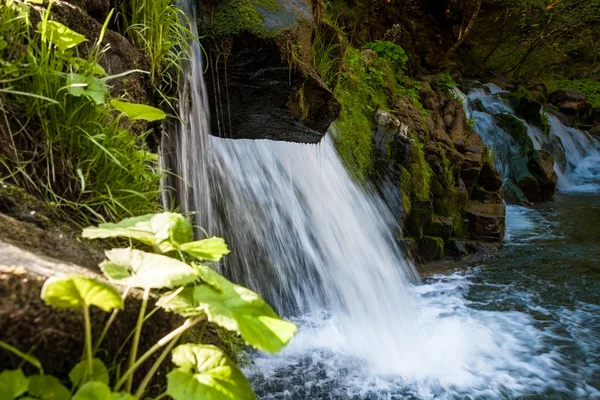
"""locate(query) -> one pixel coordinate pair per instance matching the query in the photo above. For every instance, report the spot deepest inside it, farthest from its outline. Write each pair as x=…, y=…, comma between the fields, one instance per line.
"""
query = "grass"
x=62, y=141
x=159, y=27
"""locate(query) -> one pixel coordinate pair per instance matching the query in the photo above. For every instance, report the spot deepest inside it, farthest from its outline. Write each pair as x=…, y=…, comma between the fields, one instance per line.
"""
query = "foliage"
x=389, y=51
x=159, y=27
x=588, y=86
x=62, y=139
x=326, y=58
x=420, y=172
x=199, y=294
x=446, y=83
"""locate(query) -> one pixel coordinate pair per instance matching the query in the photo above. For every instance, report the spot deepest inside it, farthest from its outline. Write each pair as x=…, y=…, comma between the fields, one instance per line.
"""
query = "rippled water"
x=523, y=325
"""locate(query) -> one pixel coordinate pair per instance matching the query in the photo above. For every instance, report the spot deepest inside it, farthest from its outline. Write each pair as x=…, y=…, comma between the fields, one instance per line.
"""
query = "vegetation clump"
x=63, y=139
x=233, y=17
x=179, y=273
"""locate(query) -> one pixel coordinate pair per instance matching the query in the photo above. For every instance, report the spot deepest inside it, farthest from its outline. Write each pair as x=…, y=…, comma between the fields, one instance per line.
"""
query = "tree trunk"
x=466, y=31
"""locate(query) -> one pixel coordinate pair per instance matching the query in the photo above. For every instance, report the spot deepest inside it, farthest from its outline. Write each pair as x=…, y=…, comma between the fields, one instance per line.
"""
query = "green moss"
x=452, y=204
x=405, y=181
x=406, y=202
x=420, y=172
x=236, y=16
x=516, y=129
x=521, y=93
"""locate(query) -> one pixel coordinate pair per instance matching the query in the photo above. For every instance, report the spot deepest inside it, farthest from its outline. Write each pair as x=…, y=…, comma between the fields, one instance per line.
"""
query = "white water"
x=582, y=152
x=310, y=240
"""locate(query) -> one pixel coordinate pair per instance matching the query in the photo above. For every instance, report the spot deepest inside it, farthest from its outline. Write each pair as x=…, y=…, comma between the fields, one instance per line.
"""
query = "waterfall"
x=581, y=153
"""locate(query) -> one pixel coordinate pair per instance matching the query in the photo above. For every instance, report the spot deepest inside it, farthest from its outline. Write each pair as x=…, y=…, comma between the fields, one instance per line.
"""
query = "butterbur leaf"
x=94, y=391
x=147, y=270
x=206, y=373
x=182, y=304
x=74, y=291
x=235, y=308
x=135, y=111
x=79, y=374
x=122, y=396
x=61, y=36
x=47, y=387
x=89, y=86
x=212, y=249
x=13, y=383
x=164, y=231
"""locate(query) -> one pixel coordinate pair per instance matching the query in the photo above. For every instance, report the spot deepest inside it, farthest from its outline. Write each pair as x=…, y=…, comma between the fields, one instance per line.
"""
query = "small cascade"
x=576, y=154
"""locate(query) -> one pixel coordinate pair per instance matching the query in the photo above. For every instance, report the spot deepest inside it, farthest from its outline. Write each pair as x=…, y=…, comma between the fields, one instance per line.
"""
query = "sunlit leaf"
x=79, y=374
x=94, y=391
x=73, y=291
x=62, y=37
x=89, y=86
x=205, y=373
x=13, y=383
x=212, y=249
x=235, y=308
x=47, y=387
x=164, y=231
x=136, y=111
x=147, y=270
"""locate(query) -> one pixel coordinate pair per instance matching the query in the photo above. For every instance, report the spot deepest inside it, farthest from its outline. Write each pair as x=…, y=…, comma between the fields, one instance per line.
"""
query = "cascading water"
x=578, y=149
x=322, y=250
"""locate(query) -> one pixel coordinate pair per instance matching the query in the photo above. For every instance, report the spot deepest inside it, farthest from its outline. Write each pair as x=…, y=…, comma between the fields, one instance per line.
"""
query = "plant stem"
x=88, y=339
x=110, y=321
x=136, y=337
x=162, y=342
x=155, y=366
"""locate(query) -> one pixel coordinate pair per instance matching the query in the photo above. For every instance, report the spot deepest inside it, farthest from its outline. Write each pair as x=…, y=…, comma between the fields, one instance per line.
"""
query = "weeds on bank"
x=63, y=138
x=192, y=290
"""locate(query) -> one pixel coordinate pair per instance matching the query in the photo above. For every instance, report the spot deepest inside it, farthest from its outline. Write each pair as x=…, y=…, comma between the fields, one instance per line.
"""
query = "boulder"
x=489, y=178
x=265, y=87
x=595, y=132
x=516, y=129
x=541, y=165
x=430, y=248
x=440, y=226
x=486, y=221
x=480, y=194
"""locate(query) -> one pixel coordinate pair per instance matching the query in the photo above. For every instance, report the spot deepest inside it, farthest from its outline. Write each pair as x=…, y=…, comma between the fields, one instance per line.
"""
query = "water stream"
x=322, y=250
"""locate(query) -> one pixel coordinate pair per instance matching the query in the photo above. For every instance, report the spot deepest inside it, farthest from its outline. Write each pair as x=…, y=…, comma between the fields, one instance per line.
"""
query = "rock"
x=486, y=221
x=516, y=129
x=514, y=195
x=431, y=248
x=457, y=247
x=392, y=126
x=421, y=214
x=440, y=226
x=541, y=165
x=480, y=194
x=479, y=106
x=471, y=168
x=489, y=178
x=529, y=109
x=595, y=132
x=266, y=88
x=561, y=96
x=595, y=116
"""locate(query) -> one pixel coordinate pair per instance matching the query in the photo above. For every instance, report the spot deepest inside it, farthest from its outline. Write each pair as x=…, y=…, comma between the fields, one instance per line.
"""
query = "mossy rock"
x=452, y=204
x=431, y=248
x=420, y=172
x=420, y=215
x=233, y=17
x=516, y=129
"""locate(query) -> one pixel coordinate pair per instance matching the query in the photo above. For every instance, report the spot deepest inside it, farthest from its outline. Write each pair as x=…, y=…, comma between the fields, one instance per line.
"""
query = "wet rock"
x=479, y=106
x=516, y=129
x=265, y=86
x=471, y=168
x=431, y=248
x=514, y=195
x=486, y=221
x=541, y=165
x=529, y=109
x=595, y=132
x=480, y=194
x=421, y=214
x=489, y=178
x=457, y=247
x=440, y=226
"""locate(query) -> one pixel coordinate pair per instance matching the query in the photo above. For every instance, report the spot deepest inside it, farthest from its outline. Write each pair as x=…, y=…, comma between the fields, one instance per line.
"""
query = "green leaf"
x=212, y=249
x=94, y=391
x=205, y=373
x=137, y=268
x=164, y=231
x=47, y=387
x=135, y=111
x=122, y=396
x=79, y=374
x=61, y=36
x=74, y=291
x=89, y=86
x=13, y=383
x=235, y=308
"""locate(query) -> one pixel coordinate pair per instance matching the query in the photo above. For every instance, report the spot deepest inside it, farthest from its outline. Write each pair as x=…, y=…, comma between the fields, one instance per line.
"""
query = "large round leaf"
x=137, y=268
x=13, y=384
x=93, y=391
x=206, y=373
x=74, y=291
x=79, y=374
x=47, y=387
x=235, y=308
x=212, y=249
x=163, y=231
x=135, y=111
